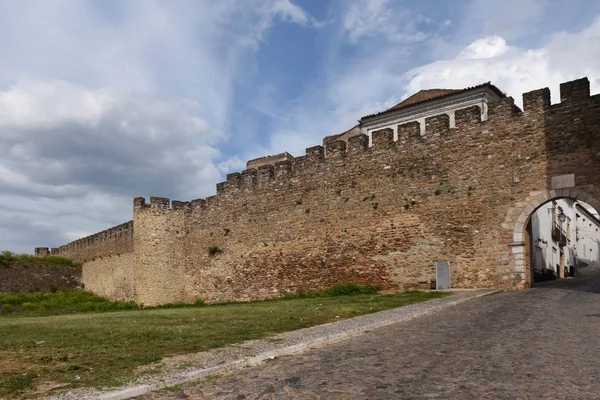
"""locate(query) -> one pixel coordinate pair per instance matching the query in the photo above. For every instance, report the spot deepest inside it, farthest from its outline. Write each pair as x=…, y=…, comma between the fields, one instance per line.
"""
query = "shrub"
x=349, y=289
x=60, y=302
x=437, y=192
x=369, y=197
x=8, y=258
x=213, y=250
x=16, y=383
x=197, y=303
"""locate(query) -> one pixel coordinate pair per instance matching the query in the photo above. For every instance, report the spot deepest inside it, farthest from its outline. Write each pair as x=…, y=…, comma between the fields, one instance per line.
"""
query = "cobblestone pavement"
x=542, y=343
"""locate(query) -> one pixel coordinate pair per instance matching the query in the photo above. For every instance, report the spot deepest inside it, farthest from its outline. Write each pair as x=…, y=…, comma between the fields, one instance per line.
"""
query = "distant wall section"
x=107, y=260
x=113, y=241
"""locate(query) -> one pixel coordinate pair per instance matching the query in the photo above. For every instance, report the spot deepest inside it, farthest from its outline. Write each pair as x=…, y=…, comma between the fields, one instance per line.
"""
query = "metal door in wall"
x=442, y=275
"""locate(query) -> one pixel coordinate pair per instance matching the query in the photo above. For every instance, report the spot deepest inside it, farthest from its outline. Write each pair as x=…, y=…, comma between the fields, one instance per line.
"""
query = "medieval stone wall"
x=375, y=215
x=111, y=276
x=113, y=241
x=107, y=261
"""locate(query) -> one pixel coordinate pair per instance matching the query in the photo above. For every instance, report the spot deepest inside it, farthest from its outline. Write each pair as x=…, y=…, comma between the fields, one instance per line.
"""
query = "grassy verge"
x=69, y=302
x=40, y=304
x=103, y=349
x=8, y=258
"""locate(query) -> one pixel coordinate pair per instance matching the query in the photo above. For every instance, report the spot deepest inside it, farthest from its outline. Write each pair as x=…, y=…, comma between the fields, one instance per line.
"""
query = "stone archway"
x=520, y=237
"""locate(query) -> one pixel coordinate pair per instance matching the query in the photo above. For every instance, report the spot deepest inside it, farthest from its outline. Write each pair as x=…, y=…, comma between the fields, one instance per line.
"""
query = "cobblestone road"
x=542, y=343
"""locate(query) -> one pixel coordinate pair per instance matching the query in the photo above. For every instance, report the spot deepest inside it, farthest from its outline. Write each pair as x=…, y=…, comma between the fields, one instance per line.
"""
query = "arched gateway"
x=446, y=175
x=521, y=241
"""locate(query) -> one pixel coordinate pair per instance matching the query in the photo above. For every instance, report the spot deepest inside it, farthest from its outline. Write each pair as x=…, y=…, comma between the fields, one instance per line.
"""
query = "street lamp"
x=562, y=217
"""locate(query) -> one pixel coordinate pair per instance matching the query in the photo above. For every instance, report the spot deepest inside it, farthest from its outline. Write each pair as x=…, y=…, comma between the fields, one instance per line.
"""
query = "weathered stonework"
x=111, y=277
x=375, y=215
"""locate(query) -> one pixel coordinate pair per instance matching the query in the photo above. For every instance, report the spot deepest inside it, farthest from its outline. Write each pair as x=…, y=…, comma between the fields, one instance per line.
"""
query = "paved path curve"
x=542, y=343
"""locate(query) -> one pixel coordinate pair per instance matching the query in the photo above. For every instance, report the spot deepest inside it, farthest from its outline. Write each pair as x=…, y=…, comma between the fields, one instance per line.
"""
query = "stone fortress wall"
x=377, y=215
x=107, y=259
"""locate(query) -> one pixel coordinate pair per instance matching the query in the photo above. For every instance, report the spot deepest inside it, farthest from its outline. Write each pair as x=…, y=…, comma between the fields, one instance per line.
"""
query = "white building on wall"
x=565, y=240
x=423, y=104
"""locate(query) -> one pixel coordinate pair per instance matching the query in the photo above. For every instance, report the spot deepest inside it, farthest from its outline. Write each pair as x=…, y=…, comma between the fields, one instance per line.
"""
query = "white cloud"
x=371, y=18
x=516, y=70
x=73, y=158
x=272, y=11
x=232, y=164
x=104, y=101
x=289, y=12
x=488, y=47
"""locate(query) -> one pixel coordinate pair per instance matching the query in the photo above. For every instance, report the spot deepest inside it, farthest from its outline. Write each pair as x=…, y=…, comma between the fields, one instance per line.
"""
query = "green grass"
x=103, y=349
x=16, y=383
x=39, y=304
x=69, y=302
x=8, y=258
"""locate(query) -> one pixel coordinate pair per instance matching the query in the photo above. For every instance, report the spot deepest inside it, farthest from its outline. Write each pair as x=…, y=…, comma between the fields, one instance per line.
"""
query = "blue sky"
x=103, y=101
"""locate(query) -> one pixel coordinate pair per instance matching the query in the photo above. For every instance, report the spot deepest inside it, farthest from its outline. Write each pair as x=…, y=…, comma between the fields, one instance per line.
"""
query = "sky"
x=104, y=101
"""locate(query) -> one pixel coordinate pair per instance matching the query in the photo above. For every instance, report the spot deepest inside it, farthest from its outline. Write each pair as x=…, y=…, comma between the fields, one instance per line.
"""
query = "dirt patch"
x=38, y=278
x=45, y=387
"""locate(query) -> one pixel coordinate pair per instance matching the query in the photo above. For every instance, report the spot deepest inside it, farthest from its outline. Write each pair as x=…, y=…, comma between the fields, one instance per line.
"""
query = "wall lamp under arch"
x=562, y=217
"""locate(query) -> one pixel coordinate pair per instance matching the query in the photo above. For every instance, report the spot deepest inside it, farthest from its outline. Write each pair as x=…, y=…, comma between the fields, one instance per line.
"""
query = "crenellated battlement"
x=382, y=139
x=41, y=251
x=409, y=130
x=436, y=127
x=336, y=148
x=315, y=153
x=283, y=166
x=265, y=175
x=92, y=246
x=358, y=144
x=467, y=116
x=162, y=204
x=503, y=108
x=575, y=91
x=536, y=101
x=234, y=180
x=283, y=169
x=248, y=179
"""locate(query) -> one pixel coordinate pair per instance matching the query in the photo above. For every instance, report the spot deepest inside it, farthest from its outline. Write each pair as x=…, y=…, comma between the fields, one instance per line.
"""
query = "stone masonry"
x=378, y=215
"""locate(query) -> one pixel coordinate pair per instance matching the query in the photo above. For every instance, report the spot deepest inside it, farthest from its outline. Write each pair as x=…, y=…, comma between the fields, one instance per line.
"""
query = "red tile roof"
x=425, y=95
x=422, y=96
